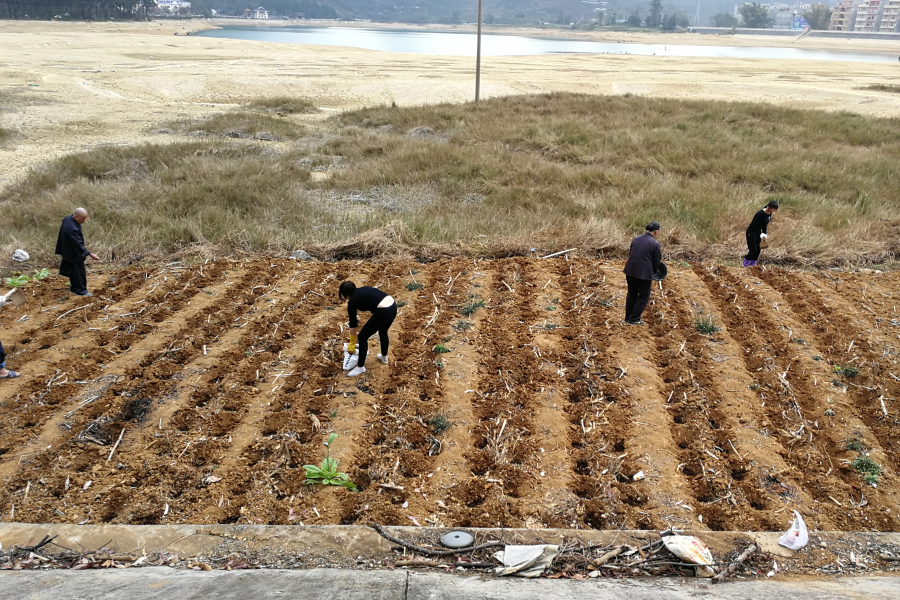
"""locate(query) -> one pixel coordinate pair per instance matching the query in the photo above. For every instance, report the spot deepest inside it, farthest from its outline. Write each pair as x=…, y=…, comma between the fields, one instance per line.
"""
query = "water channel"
x=463, y=44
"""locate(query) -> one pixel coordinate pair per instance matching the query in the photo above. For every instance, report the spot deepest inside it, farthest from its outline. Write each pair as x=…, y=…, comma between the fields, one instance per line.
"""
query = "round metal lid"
x=457, y=539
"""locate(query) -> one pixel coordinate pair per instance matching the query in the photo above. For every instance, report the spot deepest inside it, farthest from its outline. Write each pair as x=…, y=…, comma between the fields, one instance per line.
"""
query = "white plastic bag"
x=797, y=536
x=692, y=550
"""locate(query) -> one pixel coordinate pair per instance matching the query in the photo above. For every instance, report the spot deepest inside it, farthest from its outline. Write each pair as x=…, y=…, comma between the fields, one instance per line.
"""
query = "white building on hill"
x=172, y=5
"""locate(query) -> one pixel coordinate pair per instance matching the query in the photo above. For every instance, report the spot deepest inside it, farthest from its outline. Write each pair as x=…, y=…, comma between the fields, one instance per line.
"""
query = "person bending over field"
x=4, y=372
x=756, y=232
x=643, y=261
x=383, y=309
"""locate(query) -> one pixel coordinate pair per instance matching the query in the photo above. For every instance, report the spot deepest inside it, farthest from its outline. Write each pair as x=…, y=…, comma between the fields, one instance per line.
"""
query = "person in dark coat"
x=643, y=261
x=384, y=311
x=756, y=232
x=70, y=245
x=4, y=372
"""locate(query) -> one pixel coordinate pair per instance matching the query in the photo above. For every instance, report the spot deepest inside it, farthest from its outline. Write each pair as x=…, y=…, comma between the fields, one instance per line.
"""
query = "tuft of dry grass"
x=549, y=171
x=882, y=87
x=239, y=124
x=285, y=104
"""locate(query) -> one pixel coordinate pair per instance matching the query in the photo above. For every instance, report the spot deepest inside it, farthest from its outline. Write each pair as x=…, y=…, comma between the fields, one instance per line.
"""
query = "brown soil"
x=232, y=371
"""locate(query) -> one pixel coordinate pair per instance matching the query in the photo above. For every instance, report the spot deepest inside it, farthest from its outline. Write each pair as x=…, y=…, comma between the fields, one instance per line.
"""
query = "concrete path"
x=160, y=583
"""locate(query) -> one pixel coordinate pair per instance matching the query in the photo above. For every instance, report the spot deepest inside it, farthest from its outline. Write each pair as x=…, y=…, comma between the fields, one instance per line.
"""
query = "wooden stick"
x=74, y=309
x=429, y=551
x=558, y=253
x=609, y=556
x=730, y=569
x=116, y=446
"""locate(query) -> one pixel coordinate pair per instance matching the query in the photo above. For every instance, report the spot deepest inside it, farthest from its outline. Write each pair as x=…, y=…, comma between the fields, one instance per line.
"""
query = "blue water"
x=464, y=44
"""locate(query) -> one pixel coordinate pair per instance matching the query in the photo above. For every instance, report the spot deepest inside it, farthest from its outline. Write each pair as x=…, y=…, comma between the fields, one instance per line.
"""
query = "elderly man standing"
x=643, y=261
x=70, y=245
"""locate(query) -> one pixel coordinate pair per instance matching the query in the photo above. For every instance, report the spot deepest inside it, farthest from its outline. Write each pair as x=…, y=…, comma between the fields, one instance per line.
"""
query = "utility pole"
x=478, y=57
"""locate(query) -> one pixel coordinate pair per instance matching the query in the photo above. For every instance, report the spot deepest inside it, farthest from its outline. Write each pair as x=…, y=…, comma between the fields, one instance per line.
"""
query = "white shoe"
x=356, y=371
x=382, y=358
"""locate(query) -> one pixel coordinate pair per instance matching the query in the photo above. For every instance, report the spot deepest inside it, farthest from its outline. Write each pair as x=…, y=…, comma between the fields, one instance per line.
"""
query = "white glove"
x=763, y=236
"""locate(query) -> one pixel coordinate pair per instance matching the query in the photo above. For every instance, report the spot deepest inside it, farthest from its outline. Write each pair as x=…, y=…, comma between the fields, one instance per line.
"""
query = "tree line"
x=87, y=10
x=756, y=16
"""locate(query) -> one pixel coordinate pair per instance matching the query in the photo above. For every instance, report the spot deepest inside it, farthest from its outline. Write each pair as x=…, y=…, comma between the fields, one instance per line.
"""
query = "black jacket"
x=70, y=242
x=644, y=257
x=759, y=223
x=364, y=298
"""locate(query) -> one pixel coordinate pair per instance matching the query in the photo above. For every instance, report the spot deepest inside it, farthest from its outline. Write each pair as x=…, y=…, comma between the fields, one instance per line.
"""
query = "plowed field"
x=226, y=379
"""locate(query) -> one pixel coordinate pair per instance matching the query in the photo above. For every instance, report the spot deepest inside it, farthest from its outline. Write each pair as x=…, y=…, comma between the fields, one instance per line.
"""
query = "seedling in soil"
x=439, y=424
x=856, y=443
x=401, y=303
x=829, y=413
x=327, y=473
x=551, y=307
x=439, y=363
x=869, y=468
x=462, y=325
x=441, y=349
x=848, y=371
x=705, y=324
x=608, y=301
x=414, y=285
x=18, y=281
x=754, y=386
x=837, y=383
x=471, y=306
x=817, y=358
x=550, y=326
x=799, y=341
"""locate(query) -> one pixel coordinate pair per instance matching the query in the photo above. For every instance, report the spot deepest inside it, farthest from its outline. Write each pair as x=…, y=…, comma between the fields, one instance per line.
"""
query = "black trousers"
x=2, y=357
x=752, y=246
x=77, y=275
x=637, y=298
x=381, y=320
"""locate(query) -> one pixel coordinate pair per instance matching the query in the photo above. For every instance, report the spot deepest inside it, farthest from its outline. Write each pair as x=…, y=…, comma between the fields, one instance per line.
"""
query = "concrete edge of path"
x=160, y=583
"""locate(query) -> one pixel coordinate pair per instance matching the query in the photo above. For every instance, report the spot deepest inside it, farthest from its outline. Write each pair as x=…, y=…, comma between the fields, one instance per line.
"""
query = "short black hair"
x=653, y=226
x=347, y=289
x=772, y=204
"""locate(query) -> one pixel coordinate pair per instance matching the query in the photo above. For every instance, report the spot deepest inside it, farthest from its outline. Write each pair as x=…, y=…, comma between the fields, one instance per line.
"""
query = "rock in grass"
x=301, y=255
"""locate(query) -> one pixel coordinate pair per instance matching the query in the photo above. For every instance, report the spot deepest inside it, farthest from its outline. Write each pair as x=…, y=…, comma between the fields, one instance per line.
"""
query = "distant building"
x=843, y=16
x=890, y=17
x=868, y=16
x=259, y=13
x=172, y=6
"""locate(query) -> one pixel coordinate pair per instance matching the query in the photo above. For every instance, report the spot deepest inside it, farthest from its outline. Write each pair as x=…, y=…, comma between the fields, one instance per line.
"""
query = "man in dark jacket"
x=70, y=245
x=756, y=232
x=643, y=261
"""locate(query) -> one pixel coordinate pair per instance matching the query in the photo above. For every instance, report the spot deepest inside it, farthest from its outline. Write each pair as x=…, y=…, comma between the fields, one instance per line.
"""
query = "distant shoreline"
x=631, y=37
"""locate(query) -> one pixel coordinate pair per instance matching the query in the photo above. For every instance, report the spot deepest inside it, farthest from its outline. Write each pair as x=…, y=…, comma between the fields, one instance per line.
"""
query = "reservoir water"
x=464, y=44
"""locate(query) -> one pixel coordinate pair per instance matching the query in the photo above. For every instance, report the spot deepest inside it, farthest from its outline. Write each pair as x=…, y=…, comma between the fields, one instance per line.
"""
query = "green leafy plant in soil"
x=471, y=306
x=327, y=473
x=846, y=371
x=414, y=285
x=868, y=468
x=439, y=424
x=441, y=349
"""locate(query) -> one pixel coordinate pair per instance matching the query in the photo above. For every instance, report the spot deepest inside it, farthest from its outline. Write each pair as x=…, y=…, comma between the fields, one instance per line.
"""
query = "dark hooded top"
x=759, y=224
x=644, y=257
x=364, y=298
x=70, y=242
